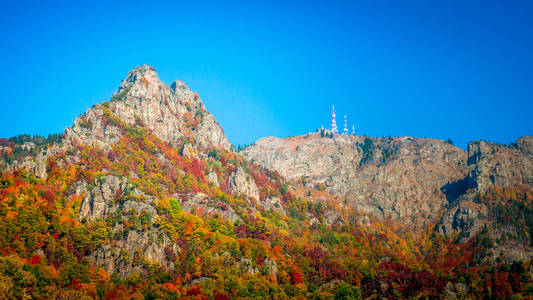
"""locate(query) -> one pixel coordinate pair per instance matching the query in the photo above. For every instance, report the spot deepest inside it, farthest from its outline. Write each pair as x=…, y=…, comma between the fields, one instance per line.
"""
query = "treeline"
x=14, y=147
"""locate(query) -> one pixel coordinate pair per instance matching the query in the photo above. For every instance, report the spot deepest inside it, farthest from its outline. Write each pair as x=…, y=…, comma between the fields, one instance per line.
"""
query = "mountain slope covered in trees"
x=144, y=198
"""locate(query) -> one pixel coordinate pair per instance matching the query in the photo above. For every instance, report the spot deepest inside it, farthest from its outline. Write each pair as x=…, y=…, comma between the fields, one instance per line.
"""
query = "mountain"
x=416, y=182
x=397, y=178
x=173, y=113
x=145, y=198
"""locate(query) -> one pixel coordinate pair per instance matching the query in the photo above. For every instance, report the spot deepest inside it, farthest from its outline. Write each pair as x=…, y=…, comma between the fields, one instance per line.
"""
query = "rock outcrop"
x=243, y=183
x=35, y=164
x=173, y=113
x=491, y=164
x=399, y=178
x=114, y=196
x=200, y=204
x=133, y=249
x=465, y=217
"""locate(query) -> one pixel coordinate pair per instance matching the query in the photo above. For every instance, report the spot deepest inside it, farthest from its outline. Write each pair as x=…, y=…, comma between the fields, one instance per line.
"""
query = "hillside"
x=144, y=198
x=397, y=178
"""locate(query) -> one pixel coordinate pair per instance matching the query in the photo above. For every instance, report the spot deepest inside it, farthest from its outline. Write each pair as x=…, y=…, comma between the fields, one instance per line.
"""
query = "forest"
x=45, y=248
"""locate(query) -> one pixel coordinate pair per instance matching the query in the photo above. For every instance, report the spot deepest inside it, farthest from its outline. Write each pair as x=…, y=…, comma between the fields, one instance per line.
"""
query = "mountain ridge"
x=144, y=197
x=375, y=175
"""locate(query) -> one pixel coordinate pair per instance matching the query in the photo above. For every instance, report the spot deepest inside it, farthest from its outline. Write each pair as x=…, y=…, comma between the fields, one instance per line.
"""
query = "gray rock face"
x=36, y=164
x=245, y=264
x=400, y=178
x=192, y=202
x=525, y=144
x=213, y=177
x=127, y=254
x=188, y=151
x=492, y=164
x=242, y=183
x=91, y=129
x=100, y=201
x=172, y=113
x=273, y=204
x=272, y=268
x=130, y=248
x=466, y=216
x=111, y=193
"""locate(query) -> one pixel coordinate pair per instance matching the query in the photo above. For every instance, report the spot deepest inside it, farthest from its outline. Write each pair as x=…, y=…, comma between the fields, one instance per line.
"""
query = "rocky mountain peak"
x=174, y=113
x=139, y=72
x=143, y=76
x=178, y=85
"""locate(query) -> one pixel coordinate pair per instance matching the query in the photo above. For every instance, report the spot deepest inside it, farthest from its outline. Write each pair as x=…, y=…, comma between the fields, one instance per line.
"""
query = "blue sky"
x=442, y=69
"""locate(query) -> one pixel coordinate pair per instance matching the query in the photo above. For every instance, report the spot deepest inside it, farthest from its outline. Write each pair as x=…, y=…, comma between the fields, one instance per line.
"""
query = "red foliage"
x=221, y=297
x=324, y=266
x=316, y=254
x=296, y=277
x=171, y=171
x=260, y=236
x=194, y=290
x=170, y=286
x=7, y=143
x=49, y=195
x=118, y=195
x=118, y=293
x=75, y=284
x=501, y=286
x=35, y=260
x=242, y=231
x=409, y=282
x=170, y=254
x=196, y=168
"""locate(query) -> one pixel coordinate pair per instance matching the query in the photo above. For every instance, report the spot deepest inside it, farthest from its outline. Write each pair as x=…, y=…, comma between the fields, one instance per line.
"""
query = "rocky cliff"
x=500, y=179
x=173, y=113
x=491, y=164
x=399, y=178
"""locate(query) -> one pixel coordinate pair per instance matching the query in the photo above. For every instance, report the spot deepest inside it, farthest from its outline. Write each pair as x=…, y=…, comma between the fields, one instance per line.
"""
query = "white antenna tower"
x=333, y=123
x=345, y=125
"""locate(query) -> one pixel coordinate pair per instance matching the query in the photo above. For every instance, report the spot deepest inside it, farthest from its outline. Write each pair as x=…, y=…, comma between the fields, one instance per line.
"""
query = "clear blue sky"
x=444, y=69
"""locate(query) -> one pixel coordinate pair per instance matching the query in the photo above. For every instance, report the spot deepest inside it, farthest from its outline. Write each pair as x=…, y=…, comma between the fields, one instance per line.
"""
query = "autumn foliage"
x=45, y=249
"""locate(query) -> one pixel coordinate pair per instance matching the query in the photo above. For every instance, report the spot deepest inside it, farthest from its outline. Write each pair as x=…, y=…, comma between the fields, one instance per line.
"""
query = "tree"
x=344, y=290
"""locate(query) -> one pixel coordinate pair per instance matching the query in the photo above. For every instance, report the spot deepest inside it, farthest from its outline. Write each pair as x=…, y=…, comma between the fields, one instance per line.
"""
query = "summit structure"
x=345, y=125
x=334, y=128
x=333, y=122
